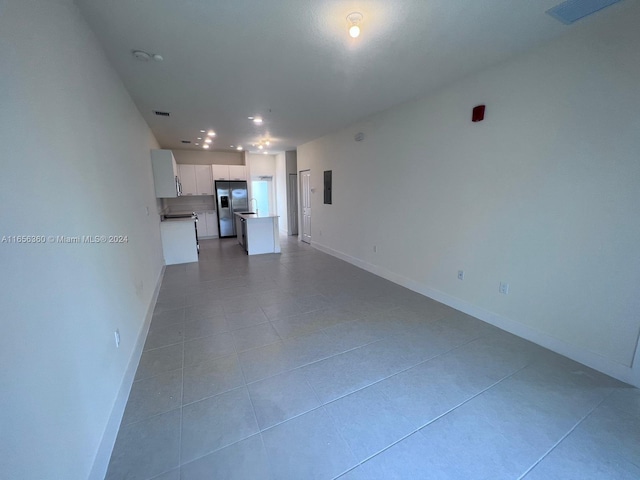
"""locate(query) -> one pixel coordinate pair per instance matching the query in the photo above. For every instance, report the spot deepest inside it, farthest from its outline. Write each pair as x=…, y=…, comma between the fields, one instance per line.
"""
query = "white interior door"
x=305, y=200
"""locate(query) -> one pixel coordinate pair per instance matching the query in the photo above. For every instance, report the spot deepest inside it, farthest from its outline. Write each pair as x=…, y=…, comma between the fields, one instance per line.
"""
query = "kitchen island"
x=258, y=233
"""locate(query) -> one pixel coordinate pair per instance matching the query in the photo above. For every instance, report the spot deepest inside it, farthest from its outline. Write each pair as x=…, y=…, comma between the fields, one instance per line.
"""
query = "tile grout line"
x=571, y=430
x=181, y=404
x=246, y=388
x=351, y=350
x=321, y=404
x=432, y=420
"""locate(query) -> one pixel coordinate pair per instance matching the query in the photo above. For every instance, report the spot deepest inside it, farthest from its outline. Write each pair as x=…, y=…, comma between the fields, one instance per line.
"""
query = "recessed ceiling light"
x=207, y=140
x=199, y=138
x=239, y=147
x=211, y=133
x=197, y=144
x=260, y=147
x=206, y=145
x=267, y=143
x=257, y=120
x=202, y=131
x=265, y=153
x=250, y=118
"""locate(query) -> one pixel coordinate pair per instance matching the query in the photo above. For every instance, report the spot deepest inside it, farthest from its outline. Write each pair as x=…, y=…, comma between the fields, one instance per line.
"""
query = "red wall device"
x=478, y=113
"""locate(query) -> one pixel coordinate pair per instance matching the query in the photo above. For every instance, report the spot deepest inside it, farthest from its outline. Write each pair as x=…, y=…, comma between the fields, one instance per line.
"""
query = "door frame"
x=301, y=205
x=292, y=203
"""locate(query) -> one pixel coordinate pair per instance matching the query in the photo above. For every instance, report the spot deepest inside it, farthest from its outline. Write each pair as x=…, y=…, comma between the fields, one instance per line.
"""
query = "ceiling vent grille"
x=573, y=10
x=162, y=114
x=185, y=141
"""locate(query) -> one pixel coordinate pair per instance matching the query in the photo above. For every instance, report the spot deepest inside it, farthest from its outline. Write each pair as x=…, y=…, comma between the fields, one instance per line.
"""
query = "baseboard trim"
x=103, y=455
x=597, y=362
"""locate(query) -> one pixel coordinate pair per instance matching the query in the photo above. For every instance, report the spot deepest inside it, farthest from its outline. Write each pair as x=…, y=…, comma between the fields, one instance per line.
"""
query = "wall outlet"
x=375, y=249
x=504, y=288
x=460, y=274
x=116, y=334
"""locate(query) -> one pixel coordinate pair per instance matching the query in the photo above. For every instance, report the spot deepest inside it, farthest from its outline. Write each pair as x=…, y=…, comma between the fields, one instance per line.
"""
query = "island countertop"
x=250, y=216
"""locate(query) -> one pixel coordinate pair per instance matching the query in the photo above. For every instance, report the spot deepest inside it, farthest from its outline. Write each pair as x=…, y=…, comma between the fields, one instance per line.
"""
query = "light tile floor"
x=301, y=366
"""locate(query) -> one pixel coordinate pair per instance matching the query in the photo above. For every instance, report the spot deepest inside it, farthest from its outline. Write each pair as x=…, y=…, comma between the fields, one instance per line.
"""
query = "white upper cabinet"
x=237, y=172
x=220, y=172
x=229, y=172
x=187, y=176
x=165, y=174
x=204, y=184
x=196, y=179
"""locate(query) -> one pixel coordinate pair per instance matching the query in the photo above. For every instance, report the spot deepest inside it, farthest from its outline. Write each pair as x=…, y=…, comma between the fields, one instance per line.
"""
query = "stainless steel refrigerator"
x=230, y=197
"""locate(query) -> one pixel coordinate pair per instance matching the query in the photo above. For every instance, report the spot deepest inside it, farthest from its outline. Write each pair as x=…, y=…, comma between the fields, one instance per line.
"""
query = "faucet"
x=251, y=200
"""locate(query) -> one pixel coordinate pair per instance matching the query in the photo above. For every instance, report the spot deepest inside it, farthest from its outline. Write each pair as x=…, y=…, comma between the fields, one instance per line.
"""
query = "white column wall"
x=75, y=162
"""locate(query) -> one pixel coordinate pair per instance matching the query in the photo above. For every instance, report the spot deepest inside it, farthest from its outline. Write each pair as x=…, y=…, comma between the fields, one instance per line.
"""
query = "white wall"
x=261, y=165
x=544, y=194
x=75, y=162
x=281, y=192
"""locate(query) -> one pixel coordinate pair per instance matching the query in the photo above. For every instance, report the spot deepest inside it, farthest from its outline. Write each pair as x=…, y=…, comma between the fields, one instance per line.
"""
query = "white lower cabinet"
x=207, y=224
x=212, y=224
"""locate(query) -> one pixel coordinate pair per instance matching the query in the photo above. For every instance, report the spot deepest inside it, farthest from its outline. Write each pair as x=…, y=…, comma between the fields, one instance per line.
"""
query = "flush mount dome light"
x=140, y=55
x=143, y=56
x=211, y=133
x=354, y=20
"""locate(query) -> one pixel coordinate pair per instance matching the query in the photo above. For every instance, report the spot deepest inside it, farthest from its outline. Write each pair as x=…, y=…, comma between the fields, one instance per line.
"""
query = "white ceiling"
x=292, y=61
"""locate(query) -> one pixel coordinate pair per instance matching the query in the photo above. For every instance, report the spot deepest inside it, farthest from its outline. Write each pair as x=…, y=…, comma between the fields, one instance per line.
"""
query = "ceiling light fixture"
x=211, y=133
x=207, y=140
x=202, y=131
x=206, y=145
x=145, y=57
x=354, y=20
x=257, y=120
x=239, y=147
x=140, y=55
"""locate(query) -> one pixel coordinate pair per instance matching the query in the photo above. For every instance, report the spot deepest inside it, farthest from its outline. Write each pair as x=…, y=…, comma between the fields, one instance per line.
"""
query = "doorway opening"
x=262, y=191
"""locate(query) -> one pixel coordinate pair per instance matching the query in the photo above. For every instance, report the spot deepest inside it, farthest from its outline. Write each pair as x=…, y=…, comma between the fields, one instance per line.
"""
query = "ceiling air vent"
x=572, y=10
x=185, y=141
x=161, y=114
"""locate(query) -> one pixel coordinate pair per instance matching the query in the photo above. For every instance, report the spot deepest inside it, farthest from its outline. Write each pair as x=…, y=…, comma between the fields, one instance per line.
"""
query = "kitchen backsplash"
x=198, y=203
